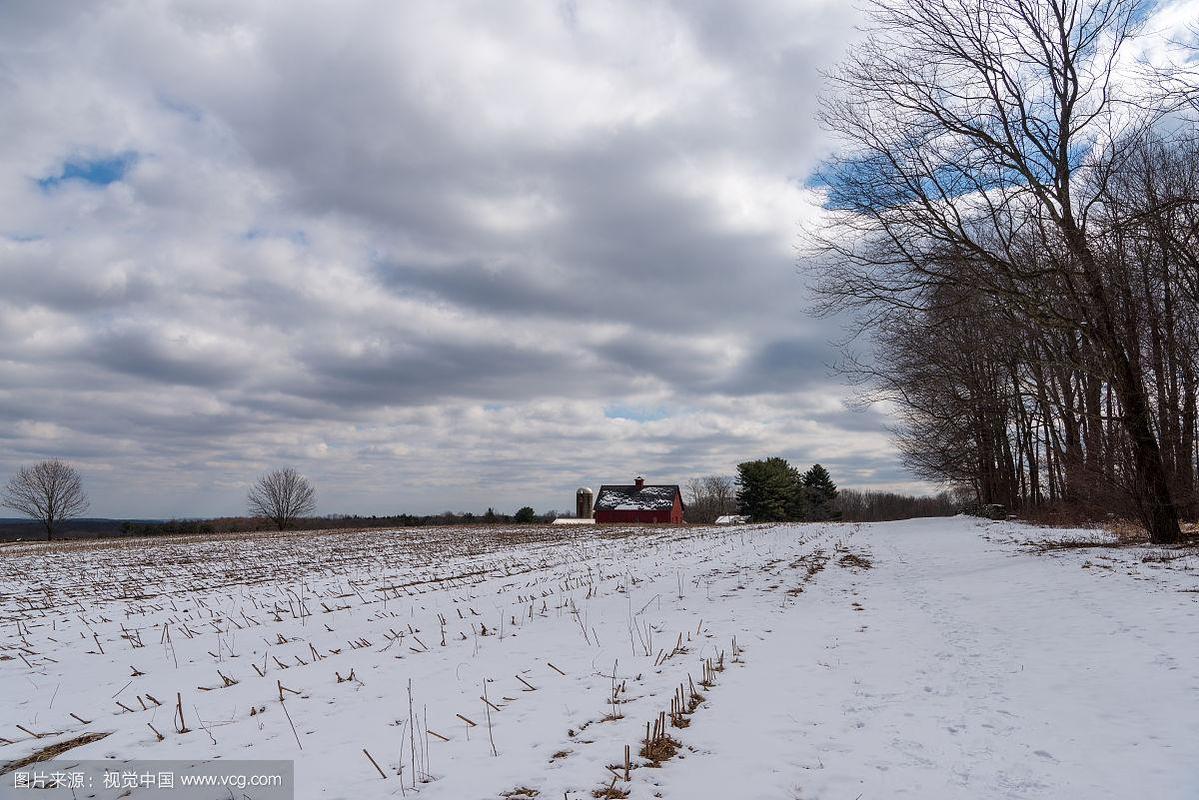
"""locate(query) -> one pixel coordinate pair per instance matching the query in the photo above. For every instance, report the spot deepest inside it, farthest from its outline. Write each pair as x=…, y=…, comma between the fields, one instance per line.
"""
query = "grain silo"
x=583, y=501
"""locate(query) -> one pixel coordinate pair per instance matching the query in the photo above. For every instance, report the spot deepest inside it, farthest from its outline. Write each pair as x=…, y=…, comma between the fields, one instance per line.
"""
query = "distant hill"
x=20, y=529
x=17, y=528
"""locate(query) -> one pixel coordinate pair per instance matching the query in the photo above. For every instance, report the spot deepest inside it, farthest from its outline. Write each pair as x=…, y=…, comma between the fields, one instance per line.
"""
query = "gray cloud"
x=783, y=365
x=415, y=250
x=146, y=353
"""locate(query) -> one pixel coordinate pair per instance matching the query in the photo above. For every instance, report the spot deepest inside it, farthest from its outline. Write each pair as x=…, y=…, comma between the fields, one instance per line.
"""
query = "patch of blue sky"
x=870, y=177
x=636, y=413
x=92, y=171
x=816, y=180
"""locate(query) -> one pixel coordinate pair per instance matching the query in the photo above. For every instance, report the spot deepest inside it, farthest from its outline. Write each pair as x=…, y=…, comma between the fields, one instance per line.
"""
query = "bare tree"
x=710, y=497
x=982, y=136
x=50, y=492
x=281, y=496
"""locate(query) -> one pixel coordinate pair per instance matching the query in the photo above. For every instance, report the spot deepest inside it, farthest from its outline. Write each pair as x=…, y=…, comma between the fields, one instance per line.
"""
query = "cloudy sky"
x=434, y=255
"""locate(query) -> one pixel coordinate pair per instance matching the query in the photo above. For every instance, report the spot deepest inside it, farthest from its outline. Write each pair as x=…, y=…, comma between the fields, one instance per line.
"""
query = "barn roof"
x=627, y=497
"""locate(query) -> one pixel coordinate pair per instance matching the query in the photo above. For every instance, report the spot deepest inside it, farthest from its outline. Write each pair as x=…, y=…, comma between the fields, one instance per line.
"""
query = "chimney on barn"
x=639, y=482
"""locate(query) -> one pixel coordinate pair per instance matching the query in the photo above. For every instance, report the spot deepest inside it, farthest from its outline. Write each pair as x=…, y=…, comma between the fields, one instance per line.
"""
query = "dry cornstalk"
x=180, y=724
x=382, y=774
x=487, y=708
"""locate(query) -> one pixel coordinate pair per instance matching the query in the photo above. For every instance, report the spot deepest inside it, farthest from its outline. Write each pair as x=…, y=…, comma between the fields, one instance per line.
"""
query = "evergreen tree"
x=770, y=490
x=821, y=493
x=525, y=515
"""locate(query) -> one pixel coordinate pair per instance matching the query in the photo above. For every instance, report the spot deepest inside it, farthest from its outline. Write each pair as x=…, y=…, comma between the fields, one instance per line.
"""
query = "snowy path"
x=959, y=665
x=976, y=669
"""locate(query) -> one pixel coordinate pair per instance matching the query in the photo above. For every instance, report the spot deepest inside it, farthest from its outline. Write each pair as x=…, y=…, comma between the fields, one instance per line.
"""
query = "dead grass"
x=661, y=749
x=54, y=750
x=520, y=793
x=1122, y=535
x=1078, y=542
x=1114, y=532
x=610, y=791
x=812, y=564
x=1165, y=556
x=1126, y=531
x=855, y=561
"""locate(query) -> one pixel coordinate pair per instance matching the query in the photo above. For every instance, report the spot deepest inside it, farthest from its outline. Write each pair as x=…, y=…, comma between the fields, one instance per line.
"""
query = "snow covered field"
x=930, y=658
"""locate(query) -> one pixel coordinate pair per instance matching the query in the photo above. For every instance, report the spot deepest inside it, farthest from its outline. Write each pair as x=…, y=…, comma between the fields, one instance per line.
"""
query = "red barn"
x=640, y=503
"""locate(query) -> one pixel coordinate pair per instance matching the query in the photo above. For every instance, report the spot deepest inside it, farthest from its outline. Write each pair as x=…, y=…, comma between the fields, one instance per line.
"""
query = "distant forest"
x=16, y=528
x=864, y=505
x=334, y=522
x=811, y=496
x=12, y=529
x=850, y=505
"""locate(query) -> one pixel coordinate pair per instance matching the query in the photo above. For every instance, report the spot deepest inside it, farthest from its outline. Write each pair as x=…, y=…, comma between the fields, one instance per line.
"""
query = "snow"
x=930, y=658
x=731, y=519
x=634, y=498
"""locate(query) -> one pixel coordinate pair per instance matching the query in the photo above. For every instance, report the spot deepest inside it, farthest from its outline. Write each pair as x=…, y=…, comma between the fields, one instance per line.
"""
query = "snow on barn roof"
x=633, y=498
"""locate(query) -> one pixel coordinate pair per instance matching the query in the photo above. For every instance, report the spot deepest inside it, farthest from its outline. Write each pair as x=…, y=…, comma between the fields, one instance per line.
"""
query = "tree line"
x=766, y=490
x=51, y=493
x=1014, y=225
x=191, y=527
x=777, y=492
x=866, y=505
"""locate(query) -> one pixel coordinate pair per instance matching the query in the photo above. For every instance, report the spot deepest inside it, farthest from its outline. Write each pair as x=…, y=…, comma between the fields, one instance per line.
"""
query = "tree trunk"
x=1185, y=462
x=1151, y=482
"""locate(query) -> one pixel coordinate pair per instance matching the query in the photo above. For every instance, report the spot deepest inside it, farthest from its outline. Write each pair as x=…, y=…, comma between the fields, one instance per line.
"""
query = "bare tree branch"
x=975, y=225
x=281, y=496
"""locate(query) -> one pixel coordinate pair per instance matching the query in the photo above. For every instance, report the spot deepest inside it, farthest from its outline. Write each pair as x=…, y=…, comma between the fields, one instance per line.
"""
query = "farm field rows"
x=934, y=658
x=318, y=647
